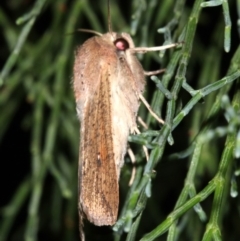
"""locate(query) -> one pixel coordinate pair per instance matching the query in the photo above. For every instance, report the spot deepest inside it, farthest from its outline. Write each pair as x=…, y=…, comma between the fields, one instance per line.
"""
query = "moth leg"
x=155, y=72
x=133, y=160
x=143, y=50
x=144, y=147
x=131, y=154
x=142, y=123
x=150, y=109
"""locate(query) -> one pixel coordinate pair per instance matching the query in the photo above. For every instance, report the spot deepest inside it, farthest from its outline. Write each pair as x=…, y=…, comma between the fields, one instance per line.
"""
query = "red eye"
x=121, y=44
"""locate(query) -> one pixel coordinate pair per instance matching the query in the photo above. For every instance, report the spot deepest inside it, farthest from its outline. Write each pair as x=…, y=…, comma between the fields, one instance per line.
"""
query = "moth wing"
x=86, y=73
x=98, y=187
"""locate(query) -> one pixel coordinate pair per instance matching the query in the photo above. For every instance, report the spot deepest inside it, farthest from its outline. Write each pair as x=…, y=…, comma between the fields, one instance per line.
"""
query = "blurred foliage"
x=188, y=190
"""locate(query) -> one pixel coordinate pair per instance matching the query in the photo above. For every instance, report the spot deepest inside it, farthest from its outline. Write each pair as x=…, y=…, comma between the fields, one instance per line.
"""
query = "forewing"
x=99, y=195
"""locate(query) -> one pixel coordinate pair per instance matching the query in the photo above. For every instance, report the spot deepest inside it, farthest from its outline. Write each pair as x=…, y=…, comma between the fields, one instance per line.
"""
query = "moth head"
x=121, y=41
x=121, y=44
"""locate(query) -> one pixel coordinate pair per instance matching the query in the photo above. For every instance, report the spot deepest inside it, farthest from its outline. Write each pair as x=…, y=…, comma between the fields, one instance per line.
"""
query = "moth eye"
x=121, y=44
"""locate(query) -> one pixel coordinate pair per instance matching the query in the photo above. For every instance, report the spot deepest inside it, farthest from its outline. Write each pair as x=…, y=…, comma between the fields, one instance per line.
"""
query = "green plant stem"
x=21, y=40
x=39, y=175
x=164, y=226
x=213, y=230
x=10, y=212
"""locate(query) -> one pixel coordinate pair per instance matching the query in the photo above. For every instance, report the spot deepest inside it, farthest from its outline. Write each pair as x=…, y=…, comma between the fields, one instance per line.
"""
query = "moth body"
x=107, y=81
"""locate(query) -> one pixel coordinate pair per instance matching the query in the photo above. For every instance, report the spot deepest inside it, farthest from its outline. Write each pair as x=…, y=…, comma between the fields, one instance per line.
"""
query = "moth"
x=108, y=83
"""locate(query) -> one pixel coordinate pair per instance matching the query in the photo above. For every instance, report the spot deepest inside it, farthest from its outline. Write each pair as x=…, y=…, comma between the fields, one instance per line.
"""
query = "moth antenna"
x=89, y=31
x=109, y=18
x=81, y=224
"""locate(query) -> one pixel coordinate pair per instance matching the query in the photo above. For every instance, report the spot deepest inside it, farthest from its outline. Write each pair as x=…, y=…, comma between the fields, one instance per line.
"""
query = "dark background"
x=58, y=220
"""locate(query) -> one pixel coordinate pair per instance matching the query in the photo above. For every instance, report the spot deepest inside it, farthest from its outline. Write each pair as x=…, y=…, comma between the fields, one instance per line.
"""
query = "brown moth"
x=108, y=79
x=108, y=84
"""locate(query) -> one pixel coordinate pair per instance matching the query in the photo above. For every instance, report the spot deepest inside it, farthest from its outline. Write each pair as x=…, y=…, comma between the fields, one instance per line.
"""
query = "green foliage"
x=188, y=189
